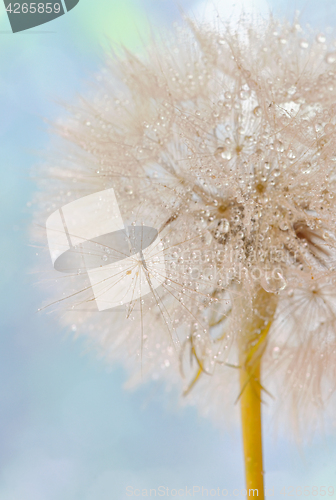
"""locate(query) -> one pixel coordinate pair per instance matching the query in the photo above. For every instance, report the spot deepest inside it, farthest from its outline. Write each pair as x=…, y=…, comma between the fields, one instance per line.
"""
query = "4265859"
x=34, y=7
x=314, y=491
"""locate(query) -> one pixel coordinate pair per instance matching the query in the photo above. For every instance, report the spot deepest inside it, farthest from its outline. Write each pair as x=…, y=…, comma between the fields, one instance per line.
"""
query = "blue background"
x=68, y=429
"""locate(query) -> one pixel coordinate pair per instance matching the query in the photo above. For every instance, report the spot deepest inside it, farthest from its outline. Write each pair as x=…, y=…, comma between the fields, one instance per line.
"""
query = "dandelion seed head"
x=228, y=148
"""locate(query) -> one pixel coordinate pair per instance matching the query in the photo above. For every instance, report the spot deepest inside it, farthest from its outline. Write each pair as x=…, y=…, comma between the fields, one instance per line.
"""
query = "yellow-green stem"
x=253, y=342
x=250, y=404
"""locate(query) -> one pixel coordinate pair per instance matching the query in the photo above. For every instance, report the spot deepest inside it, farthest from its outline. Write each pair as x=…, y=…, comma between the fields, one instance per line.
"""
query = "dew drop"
x=320, y=38
x=292, y=90
x=306, y=168
x=329, y=128
x=304, y=44
x=257, y=111
x=279, y=147
x=330, y=57
x=283, y=225
x=273, y=283
x=226, y=154
x=244, y=94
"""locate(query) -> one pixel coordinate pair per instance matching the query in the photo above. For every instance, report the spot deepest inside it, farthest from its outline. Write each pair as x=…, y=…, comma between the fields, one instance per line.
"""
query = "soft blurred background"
x=68, y=429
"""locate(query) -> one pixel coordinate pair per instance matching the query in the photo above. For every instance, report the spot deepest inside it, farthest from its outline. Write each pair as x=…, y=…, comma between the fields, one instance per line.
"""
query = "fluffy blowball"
x=225, y=141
